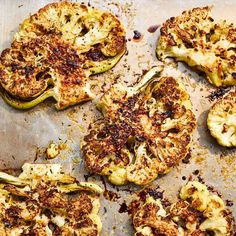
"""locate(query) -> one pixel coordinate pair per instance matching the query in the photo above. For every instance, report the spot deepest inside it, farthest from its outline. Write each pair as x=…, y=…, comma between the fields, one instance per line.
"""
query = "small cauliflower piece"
x=146, y=129
x=203, y=43
x=44, y=188
x=217, y=220
x=221, y=120
x=118, y=176
x=52, y=151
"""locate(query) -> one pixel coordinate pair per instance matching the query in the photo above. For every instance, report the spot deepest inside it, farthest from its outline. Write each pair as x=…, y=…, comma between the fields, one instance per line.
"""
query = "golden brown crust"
x=60, y=47
x=144, y=134
x=42, y=203
x=151, y=216
x=50, y=19
x=209, y=46
x=27, y=77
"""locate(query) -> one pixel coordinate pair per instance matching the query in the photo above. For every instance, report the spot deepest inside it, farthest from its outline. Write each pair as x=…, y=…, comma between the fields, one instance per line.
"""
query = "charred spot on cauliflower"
x=37, y=203
x=221, y=120
x=197, y=212
x=146, y=130
x=197, y=39
x=55, y=52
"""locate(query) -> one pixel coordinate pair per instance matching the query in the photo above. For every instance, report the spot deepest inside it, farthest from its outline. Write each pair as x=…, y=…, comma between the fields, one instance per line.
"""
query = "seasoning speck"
x=137, y=35
x=218, y=93
x=186, y=159
x=153, y=28
x=229, y=203
x=123, y=208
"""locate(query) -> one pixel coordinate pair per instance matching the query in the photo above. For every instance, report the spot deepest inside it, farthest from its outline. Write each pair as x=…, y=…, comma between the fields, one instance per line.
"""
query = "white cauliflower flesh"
x=203, y=43
x=56, y=51
x=38, y=198
x=146, y=130
x=198, y=212
x=221, y=120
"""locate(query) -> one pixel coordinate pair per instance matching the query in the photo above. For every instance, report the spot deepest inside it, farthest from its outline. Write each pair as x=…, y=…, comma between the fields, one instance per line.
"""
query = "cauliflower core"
x=197, y=212
x=197, y=39
x=146, y=130
x=55, y=52
x=221, y=120
x=37, y=203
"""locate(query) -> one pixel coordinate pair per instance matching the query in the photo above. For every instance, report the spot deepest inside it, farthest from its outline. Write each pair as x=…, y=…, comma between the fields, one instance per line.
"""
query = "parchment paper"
x=24, y=135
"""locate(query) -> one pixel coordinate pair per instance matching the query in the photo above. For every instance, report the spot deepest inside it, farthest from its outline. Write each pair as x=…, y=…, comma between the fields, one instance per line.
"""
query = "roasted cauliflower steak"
x=201, y=42
x=197, y=212
x=40, y=202
x=221, y=120
x=145, y=130
x=56, y=51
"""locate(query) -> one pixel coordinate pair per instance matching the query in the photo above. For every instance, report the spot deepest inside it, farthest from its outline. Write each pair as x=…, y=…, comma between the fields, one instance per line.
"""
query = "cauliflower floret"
x=197, y=193
x=215, y=214
x=146, y=130
x=215, y=206
x=197, y=39
x=56, y=51
x=196, y=212
x=221, y=120
x=217, y=225
x=147, y=218
x=216, y=217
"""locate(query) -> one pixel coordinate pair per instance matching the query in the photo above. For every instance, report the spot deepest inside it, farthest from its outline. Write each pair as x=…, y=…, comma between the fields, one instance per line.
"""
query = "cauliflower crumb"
x=52, y=151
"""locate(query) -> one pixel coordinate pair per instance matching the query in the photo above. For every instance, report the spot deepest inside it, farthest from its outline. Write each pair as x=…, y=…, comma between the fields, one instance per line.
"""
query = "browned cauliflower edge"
x=44, y=201
x=145, y=130
x=197, y=212
x=56, y=51
x=221, y=120
x=203, y=43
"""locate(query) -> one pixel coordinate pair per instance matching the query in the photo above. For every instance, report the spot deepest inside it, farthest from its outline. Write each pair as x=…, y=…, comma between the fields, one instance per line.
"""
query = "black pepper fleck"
x=137, y=34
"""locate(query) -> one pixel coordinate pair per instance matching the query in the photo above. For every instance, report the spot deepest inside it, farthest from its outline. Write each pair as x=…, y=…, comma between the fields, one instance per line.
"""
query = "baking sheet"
x=25, y=134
